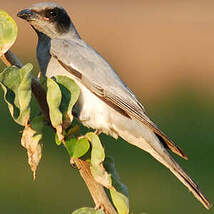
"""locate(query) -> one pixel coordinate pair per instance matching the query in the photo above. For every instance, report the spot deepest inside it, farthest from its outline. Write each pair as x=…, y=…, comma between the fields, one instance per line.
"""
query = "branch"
x=96, y=190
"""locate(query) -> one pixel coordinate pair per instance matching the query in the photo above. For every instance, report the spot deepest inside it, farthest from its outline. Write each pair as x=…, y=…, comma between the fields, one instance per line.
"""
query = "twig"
x=96, y=190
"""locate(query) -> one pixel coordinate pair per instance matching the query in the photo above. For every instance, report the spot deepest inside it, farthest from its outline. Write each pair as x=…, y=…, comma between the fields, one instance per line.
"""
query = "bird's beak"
x=27, y=14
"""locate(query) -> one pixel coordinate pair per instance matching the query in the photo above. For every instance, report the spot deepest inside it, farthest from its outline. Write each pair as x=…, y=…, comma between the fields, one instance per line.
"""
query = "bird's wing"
x=78, y=58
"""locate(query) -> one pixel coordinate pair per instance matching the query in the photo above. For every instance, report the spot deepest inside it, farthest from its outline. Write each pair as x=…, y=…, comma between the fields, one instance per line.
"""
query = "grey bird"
x=105, y=103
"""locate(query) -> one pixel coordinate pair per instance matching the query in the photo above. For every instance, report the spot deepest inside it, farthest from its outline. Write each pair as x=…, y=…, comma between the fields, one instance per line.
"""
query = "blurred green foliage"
x=185, y=115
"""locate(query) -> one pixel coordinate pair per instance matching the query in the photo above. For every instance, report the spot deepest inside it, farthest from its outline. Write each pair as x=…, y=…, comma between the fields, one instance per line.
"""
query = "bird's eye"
x=51, y=13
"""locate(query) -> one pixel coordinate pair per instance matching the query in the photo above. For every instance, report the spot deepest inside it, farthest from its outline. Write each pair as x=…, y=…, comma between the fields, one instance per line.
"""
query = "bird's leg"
x=98, y=132
x=100, y=207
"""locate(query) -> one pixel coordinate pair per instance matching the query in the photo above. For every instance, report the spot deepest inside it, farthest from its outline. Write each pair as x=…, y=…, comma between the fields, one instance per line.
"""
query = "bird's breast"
x=93, y=112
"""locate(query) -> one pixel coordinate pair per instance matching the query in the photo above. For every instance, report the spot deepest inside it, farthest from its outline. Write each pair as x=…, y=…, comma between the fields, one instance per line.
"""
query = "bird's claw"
x=98, y=132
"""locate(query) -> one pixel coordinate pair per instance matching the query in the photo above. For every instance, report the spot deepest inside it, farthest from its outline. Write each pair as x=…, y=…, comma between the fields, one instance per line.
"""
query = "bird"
x=105, y=103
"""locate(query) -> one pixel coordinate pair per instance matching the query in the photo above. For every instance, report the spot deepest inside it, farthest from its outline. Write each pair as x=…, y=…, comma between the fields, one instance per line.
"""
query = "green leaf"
x=77, y=148
x=87, y=210
x=97, y=153
x=120, y=201
x=16, y=84
x=118, y=191
x=70, y=94
x=54, y=97
x=8, y=32
x=37, y=123
x=62, y=94
x=97, y=157
x=58, y=142
x=69, y=145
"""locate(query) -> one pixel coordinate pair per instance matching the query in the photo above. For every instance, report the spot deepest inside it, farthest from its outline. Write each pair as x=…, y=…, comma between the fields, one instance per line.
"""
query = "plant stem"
x=97, y=191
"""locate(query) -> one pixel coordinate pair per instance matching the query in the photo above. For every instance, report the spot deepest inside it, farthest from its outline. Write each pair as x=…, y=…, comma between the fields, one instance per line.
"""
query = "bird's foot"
x=97, y=132
x=73, y=164
x=99, y=207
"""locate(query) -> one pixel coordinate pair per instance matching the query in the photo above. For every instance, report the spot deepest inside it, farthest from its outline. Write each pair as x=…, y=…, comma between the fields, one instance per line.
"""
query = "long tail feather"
x=150, y=143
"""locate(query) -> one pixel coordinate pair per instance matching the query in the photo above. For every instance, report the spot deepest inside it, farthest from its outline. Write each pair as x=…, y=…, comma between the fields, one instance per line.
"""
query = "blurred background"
x=164, y=51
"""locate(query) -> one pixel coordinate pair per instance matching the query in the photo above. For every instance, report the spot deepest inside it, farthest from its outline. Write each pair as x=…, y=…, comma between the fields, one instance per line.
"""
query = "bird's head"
x=47, y=18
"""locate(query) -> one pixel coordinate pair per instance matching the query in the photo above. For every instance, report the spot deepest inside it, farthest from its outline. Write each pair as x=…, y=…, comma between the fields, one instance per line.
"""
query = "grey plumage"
x=105, y=102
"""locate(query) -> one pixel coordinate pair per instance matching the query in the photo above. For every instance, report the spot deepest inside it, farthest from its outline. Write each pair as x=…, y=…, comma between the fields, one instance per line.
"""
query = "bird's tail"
x=188, y=182
x=150, y=143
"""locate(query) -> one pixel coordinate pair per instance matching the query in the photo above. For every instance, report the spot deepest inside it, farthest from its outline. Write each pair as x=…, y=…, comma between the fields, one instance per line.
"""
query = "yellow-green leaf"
x=77, y=148
x=57, y=140
x=54, y=97
x=118, y=191
x=62, y=94
x=70, y=94
x=88, y=210
x=16, y=84
x=97, y=157
x=8, y=32
x=120, y=201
